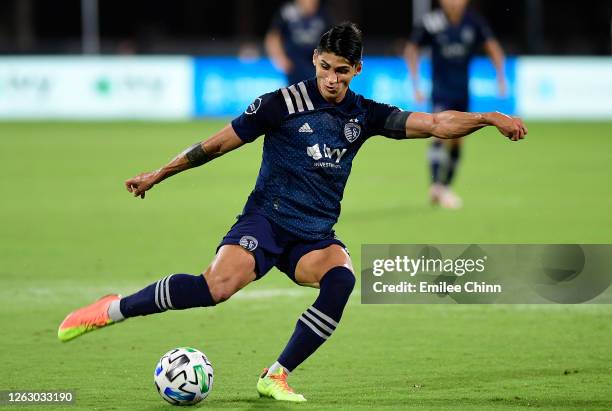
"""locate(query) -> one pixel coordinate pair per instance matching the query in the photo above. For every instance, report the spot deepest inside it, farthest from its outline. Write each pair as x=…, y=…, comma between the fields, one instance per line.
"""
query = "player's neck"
x=454, y=18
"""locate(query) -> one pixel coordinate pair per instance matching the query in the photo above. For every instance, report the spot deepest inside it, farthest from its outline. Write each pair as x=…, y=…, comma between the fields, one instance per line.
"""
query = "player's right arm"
x=411, y=55
x=496, y=54
x=273, y=43
x=494, y=50
x=224, y=141
x=419, y=37
x=274, y=47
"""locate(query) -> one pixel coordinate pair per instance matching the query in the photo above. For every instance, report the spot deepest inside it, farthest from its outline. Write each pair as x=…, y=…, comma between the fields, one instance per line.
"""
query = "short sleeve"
x=483, y=30
x=277, y=22
x=420, y=35
x=378, y=113
x=262, y=115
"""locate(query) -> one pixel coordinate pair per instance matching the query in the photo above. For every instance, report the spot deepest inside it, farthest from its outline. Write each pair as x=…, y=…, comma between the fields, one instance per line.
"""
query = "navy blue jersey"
x=452, y=47
x=308, y=151
x=300, y=36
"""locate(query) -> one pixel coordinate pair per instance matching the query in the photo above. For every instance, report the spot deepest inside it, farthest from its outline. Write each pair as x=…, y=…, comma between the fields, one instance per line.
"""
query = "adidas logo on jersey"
x=305, y=128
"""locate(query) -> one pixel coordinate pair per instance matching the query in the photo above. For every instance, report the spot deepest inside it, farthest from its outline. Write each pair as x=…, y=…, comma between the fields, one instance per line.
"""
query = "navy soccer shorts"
x=271, y=245
x=444, y=104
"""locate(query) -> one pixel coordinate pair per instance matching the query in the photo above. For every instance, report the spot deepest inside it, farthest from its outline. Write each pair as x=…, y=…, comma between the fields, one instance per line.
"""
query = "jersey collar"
x=319, y=102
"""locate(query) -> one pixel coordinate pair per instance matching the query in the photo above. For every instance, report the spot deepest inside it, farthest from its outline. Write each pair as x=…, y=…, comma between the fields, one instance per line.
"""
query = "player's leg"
x=332, y=270
x=232, y=269
x=438, y=163
x=448, y=198
x=438, y=158
x=454, y=153
x=444, y=159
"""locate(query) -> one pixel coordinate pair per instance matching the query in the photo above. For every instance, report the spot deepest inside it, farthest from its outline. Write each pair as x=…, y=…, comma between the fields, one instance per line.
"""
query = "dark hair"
x=343, y=40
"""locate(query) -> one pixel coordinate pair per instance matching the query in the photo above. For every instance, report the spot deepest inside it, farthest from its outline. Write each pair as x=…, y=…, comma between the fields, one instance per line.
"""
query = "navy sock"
x=320, y=320
x=453, y=160
x=177, y=292
x=438, y=159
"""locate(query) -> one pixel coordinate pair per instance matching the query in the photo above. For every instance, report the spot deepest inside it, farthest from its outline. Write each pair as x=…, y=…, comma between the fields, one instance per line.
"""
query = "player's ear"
x=315, y=54
x=358, y=67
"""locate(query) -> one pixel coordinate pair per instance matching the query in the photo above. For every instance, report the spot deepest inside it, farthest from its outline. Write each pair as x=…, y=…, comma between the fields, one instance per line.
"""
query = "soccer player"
x=295, y=31
x=455, y=35
x=313, y=130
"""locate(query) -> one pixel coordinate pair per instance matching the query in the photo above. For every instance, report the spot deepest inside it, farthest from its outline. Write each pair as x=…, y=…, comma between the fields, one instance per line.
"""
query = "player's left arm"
x=273, y=44
x=454, y=124
x=224, y=141
x=496, y=53
x=493, y=49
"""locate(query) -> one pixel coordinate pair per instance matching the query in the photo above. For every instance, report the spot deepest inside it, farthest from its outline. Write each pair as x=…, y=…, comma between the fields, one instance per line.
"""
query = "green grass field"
x=70, y=233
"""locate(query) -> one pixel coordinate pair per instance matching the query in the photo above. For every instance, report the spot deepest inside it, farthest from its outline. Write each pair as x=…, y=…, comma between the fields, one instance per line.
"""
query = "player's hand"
x=285, y=65
x=502, y=87
x=511, y=127
x=419, y=97
x=141, y=183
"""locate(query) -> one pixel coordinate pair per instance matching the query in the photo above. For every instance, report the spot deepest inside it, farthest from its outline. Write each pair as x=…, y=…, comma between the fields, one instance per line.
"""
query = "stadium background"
x=70, y=232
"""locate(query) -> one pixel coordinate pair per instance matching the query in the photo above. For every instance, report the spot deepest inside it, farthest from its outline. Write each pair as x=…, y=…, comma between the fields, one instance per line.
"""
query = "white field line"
x=65, y=293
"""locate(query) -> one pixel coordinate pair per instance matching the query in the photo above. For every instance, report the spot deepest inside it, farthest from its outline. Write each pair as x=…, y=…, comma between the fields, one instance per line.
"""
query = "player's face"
x=334, y=74
x=308, y=7
x=454, y=7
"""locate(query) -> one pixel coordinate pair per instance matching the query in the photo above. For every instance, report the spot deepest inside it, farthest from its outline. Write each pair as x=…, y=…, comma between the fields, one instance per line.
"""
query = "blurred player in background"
x=293, y=35
x=455, y=34
x=313, y=131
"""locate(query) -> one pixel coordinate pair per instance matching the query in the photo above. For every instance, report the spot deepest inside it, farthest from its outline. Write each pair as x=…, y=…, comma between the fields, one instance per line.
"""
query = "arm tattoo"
x=395, y=124
x=196, y=155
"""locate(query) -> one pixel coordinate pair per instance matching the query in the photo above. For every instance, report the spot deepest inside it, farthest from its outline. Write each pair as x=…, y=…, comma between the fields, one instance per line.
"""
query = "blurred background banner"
x=182, y=87
x=156, y=88
x=386, y=79
x=91, y=59
x=225, y=86
x=565, y=88
x=162, y=88
x=484, y=94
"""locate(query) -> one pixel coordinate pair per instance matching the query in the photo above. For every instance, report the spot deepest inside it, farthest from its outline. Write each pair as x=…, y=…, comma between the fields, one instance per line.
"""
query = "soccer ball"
x=183, y=376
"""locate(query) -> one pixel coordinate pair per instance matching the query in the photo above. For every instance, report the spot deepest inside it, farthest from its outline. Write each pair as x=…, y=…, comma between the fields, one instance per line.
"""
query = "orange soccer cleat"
x=88, y=318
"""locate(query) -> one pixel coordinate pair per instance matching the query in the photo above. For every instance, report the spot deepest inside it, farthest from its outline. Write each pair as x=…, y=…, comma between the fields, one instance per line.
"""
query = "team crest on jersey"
x=352, y=130
x=248, y=243
x=467, y=35
x=254, y=106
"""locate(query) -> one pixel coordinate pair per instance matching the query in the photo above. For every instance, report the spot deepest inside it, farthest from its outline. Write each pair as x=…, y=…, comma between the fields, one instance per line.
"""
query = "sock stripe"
x=322, y=316
x=167, y=287
x=157, y=295
x=162, y=294
x=313, y=328
x=321, y=325
x=162, y=301
x=172, y=292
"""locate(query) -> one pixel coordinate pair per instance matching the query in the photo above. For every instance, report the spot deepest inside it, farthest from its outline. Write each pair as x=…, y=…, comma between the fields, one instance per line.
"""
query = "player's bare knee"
x=232, y=269
x=338, y=258
x=221, y=289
